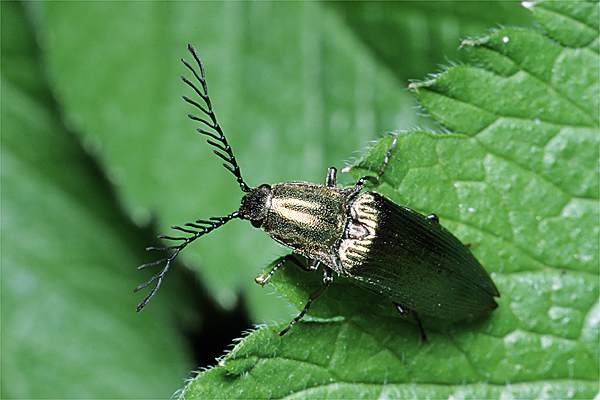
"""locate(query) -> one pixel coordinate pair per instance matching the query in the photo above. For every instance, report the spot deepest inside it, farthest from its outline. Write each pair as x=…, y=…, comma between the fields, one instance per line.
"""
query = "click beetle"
x=391, y=250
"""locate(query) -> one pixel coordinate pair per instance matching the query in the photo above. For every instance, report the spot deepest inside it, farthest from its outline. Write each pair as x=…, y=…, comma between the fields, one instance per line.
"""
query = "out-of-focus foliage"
x=516, y=177
x=69, y=329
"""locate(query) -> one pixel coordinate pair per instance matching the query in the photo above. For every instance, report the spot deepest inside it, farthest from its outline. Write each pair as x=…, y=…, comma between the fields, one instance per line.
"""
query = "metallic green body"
x=308, y=218
x=388, y=249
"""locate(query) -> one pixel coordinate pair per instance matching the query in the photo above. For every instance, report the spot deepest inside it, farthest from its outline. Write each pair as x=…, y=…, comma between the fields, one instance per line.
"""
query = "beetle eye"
x=257, y=223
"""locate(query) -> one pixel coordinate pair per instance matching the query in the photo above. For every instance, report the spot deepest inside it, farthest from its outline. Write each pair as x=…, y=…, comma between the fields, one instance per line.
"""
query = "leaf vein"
x=527, y=169
x=540, y=79
x=457, y=386
x=498, y=115
x=584, y=24
x=522, y=249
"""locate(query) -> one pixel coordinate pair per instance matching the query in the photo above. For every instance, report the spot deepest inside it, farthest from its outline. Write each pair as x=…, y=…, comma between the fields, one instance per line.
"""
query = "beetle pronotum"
x=389, y=249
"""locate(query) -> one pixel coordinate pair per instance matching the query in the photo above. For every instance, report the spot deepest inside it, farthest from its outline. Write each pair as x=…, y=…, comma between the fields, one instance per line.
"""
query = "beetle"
x=379, y=245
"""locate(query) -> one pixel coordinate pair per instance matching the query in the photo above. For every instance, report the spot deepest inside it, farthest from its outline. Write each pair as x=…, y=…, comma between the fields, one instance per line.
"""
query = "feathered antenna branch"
x=216, y=138
x=197, y=229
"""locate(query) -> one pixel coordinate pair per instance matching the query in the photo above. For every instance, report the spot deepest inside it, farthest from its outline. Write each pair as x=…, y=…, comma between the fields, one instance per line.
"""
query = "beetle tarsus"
x=386, y=157
x=327, y=280
x=433, y=218
x=263, y=279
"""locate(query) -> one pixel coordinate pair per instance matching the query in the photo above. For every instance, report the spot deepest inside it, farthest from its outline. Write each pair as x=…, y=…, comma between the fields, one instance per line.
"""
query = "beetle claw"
x=261, y=280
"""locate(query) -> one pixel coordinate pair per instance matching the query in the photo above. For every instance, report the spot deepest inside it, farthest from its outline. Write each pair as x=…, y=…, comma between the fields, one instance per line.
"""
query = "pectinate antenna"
x=215, y=136
x=195, y=230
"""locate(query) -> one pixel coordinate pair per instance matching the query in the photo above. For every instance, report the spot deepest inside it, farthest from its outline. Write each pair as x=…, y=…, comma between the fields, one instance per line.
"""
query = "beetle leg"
x=362, y=181
x=327, y=279
x=314, y=265
x=375, y=179
x=386, y=158
x=420, y=325
x=433, y=218
x=404, y=311
x=263, y=279
x=331, y=177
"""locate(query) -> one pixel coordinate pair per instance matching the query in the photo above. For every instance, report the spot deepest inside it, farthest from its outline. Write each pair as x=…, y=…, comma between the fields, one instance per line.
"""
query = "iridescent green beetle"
x=386, y=248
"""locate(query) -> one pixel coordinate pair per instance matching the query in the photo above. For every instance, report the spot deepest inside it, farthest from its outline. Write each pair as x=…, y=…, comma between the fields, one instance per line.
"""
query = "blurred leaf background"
x=98, y=157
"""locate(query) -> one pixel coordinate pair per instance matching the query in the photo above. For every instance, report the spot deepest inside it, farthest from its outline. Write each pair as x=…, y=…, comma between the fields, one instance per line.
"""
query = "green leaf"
x=517, y=178
x=287, y=98
x=69, y=327
x=411, y=37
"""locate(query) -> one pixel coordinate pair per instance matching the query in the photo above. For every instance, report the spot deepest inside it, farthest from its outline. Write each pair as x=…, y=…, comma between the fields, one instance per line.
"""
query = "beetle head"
x=256, y=204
